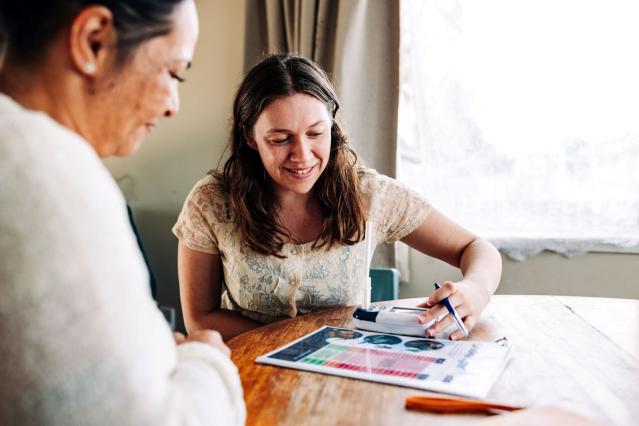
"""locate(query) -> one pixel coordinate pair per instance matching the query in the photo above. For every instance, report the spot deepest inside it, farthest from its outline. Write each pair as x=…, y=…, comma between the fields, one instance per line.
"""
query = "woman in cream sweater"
x=82, y=340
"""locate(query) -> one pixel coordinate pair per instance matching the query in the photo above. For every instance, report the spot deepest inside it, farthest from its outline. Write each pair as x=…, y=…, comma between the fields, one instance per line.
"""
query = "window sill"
x=520, y=248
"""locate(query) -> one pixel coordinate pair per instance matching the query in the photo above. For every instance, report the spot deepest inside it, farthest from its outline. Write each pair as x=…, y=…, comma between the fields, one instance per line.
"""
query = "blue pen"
x=453, y=312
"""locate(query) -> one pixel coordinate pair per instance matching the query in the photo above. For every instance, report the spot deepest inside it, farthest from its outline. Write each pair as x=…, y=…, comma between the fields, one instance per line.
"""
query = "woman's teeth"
x=300, y=171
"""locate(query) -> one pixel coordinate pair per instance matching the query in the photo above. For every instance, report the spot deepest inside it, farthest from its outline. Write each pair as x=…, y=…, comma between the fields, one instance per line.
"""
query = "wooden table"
x=580, y=354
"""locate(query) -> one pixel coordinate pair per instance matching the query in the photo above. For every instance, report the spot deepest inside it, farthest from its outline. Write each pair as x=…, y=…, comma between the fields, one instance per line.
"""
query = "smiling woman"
x=293, y=157
x=83, y=341
x=279, y=231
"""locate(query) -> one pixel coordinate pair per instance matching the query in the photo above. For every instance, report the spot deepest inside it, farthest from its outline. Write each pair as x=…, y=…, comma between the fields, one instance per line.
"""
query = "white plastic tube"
x=368, y=242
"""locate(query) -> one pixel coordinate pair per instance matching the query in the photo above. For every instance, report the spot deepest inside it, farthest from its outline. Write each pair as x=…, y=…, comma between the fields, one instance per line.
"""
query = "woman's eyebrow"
x=316, y=123
x=282, y=130
x=277, y=130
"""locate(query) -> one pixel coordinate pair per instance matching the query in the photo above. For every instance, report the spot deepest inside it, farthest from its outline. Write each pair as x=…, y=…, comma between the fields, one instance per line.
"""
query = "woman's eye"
x=278, y=141
x=315, y=134
x=178, y=77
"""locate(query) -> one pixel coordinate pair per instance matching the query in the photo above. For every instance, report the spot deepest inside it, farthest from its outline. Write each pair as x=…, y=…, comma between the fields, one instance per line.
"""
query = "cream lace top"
x=267, y=288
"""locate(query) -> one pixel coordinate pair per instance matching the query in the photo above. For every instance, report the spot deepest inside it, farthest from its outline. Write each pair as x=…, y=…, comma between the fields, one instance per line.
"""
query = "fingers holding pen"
x=436, y=309
x=469, y=323
x=444, y=290
x=440, y=325
x=445, y=322
x=447, y=306
x=432, y=314
x=466, y=301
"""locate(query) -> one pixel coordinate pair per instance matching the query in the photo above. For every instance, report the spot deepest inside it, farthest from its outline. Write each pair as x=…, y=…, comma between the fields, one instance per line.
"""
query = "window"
x=520, y=119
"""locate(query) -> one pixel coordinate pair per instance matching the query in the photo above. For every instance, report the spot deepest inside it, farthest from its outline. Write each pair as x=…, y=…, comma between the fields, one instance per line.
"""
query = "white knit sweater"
x=81, y=341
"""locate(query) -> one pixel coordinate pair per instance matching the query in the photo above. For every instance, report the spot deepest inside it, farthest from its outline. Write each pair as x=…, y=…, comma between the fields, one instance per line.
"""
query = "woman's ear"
x=92, y=38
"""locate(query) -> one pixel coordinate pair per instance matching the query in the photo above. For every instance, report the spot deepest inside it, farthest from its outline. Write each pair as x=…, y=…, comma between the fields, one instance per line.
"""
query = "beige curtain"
x=357, y=43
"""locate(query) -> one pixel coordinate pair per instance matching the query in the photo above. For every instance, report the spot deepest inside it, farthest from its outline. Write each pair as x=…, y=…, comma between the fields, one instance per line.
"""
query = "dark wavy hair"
x=245, y=179
x=31, y=25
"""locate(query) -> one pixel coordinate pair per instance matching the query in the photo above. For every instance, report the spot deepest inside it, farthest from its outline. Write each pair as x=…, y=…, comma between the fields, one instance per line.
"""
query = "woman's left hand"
x=469, y=300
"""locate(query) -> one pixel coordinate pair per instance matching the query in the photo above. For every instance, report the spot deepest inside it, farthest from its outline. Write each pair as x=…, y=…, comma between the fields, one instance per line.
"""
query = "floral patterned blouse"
x=267, y=288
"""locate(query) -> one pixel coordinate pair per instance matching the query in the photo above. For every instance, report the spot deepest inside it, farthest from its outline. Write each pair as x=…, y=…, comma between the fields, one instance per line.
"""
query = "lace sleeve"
x=395, y=209
x=195, y=226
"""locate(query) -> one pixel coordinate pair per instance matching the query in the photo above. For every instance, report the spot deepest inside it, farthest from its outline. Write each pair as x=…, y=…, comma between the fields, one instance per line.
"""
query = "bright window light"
x=520, y=119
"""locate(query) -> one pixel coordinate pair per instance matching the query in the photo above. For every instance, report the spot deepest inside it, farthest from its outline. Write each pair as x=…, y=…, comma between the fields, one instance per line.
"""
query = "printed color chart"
x=372, y=361
x=460, y=368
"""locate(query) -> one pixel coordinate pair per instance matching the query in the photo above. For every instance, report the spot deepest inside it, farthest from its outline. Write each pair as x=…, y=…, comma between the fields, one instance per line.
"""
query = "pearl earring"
x=89, y=68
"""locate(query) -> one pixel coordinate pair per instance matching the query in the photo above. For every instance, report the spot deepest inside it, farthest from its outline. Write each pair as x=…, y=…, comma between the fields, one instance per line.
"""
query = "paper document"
x=460, y=368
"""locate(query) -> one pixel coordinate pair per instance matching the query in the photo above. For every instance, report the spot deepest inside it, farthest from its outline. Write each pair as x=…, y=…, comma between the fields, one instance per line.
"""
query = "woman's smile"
x=299, y=173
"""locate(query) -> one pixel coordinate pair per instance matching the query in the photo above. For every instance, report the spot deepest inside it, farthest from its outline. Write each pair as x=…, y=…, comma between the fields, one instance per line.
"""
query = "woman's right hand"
x=209, y=337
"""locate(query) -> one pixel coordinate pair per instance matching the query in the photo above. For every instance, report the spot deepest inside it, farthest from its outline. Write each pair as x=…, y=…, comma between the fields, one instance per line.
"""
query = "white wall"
x=593, y=274
x=157, y=179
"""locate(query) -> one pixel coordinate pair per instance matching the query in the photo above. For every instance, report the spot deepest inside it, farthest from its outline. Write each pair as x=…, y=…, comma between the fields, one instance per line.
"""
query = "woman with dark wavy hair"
x=82, y=339
x=279, y=230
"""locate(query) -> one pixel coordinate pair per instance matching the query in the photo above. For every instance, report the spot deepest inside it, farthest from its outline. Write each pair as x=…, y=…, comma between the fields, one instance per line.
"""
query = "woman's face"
x=145, y=88
x=293, y=138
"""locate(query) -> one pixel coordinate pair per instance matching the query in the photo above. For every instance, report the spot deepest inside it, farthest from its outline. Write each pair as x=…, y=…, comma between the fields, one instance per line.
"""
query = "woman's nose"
x=172, y=102
x=301, y=150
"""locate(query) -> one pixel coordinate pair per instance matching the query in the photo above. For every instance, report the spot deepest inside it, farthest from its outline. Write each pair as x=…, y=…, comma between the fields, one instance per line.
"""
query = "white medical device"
x=391, y=319
x=385, y=319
